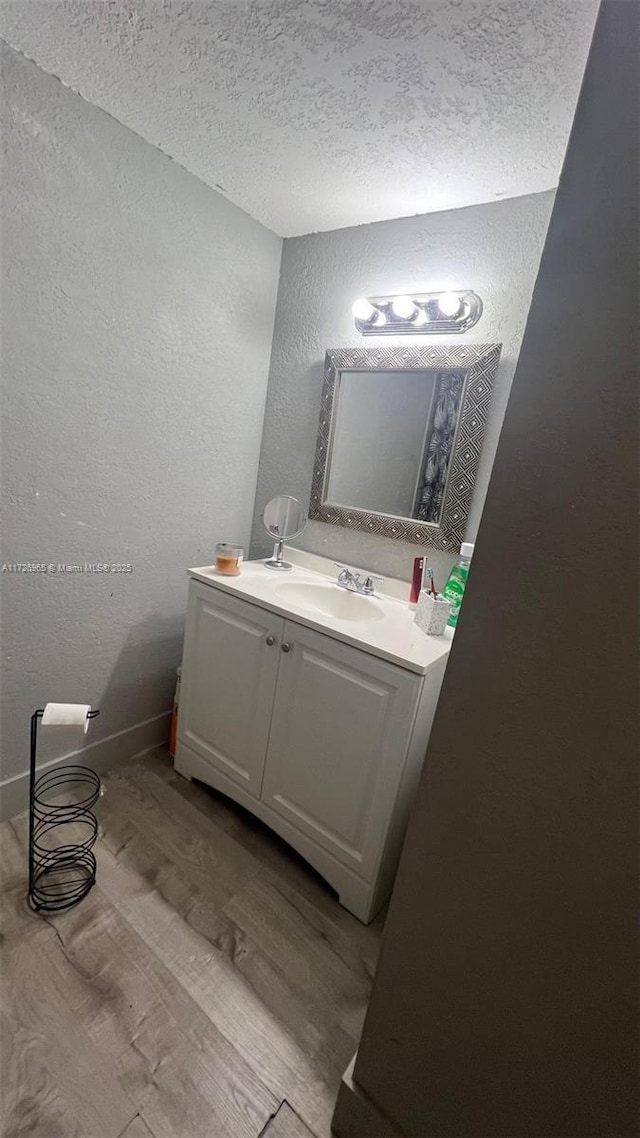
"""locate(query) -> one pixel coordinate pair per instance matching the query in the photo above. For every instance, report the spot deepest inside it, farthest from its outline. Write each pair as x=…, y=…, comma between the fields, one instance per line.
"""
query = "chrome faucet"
x=352, y=581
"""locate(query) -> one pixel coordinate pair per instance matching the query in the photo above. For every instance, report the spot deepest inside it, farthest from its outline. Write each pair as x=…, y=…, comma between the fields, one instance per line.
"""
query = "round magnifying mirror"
x=283, y=519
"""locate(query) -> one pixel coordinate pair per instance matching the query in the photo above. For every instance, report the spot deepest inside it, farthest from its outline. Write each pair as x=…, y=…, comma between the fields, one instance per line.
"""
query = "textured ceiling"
x=318, y=114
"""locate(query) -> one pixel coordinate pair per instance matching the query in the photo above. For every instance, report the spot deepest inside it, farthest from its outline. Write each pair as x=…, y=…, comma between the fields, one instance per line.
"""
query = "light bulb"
x=422, y=316
x=380, y=319
x=364, y=310
x=449, y=304
x=404, y=307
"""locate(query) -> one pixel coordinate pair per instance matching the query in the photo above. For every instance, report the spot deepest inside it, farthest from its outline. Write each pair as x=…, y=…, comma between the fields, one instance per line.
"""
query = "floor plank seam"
x=65, y=951
x=285, y=1105
x=131, y=1120
x=270, y=1120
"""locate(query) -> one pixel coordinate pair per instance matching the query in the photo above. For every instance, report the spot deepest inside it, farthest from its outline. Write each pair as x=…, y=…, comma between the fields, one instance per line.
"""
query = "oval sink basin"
x=329, y=600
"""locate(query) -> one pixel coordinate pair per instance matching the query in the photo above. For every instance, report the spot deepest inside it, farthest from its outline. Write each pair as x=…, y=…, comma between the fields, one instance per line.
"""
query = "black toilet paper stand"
x=62, y=831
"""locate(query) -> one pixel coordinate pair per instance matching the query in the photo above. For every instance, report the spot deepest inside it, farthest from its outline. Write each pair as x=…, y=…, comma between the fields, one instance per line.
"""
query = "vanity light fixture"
x=404, y=307
x=423, y=314
x=363, y=310
x=367, y=313
x=449, y=304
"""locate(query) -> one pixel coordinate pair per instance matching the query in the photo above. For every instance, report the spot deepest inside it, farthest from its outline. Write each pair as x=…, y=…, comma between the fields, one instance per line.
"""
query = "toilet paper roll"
x=67, y=715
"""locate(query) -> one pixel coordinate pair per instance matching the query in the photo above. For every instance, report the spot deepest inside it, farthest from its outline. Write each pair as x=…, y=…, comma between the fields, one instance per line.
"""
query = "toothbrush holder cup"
x=432, y=613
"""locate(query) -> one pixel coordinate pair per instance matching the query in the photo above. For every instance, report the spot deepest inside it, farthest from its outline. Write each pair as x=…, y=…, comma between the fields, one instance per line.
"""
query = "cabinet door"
x=341, y=726
x=229, y=676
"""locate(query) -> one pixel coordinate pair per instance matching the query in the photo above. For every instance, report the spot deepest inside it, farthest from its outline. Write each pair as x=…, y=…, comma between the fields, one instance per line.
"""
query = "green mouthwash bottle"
x=454, y=588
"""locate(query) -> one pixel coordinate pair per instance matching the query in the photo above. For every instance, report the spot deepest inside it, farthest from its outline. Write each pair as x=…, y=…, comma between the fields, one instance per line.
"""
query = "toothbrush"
x=432, y=584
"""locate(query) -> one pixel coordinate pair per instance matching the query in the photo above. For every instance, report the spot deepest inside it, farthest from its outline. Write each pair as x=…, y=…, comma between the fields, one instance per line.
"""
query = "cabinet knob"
x=271, y=640
x=286, y=647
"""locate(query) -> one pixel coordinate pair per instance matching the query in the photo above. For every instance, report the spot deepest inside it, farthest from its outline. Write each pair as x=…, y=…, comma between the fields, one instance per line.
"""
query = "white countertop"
x=392, y=636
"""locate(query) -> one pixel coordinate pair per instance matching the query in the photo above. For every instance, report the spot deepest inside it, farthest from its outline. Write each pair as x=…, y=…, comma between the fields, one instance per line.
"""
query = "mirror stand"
x=277, y=561
x=283, y=519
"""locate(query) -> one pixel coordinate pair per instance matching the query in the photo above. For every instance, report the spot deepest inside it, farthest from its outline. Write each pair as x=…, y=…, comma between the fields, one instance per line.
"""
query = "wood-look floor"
x=210, y=986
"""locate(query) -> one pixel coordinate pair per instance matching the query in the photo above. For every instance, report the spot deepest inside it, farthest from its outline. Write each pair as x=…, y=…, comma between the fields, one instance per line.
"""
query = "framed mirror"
x=399, y=439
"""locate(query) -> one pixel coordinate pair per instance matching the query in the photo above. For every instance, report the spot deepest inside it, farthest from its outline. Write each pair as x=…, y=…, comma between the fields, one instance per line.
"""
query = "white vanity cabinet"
x=321, y=740
x=228, y=683
x=341, y=726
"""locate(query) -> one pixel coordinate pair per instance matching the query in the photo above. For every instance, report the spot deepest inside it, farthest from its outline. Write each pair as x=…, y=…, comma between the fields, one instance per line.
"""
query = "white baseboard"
x=355, y=1116
x=100, y=756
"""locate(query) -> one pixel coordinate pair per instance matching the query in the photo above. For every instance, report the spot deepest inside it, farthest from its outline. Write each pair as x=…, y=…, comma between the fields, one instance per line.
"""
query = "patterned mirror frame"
x=479, y=363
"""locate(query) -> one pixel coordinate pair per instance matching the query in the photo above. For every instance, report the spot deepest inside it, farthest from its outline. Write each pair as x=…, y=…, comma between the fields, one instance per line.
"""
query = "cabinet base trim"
x=356, y=895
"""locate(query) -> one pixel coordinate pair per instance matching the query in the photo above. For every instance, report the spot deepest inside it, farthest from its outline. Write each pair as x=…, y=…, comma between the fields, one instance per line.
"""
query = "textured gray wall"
x=133, y=400
x=494, y=249
x=505, y=1000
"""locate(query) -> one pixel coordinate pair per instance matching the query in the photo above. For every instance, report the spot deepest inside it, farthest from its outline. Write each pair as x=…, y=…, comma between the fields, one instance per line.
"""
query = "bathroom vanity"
x=311, y=706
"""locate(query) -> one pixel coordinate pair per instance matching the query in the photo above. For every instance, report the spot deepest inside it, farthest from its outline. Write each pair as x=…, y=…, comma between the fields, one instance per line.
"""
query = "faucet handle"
x=346, y=569
x=368, y=584
x=348, y=578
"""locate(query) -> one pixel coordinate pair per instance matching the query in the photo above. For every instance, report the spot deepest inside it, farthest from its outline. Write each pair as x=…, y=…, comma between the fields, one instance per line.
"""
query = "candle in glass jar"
x=228, y=558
